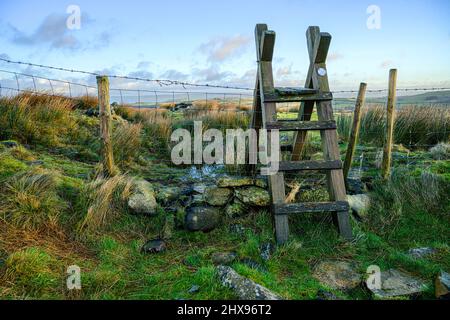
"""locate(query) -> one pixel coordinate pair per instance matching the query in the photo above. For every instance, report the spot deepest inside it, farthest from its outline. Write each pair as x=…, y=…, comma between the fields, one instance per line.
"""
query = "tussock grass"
x=30, y=201
x=33, y=273
x=415, y=126
x=127, y=142
x=105, y=199
x=405, y=195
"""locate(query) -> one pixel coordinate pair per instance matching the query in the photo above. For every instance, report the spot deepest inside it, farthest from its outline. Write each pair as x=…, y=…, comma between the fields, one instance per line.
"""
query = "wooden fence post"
x=387, y=151
x=353, y=141
x=105, y=126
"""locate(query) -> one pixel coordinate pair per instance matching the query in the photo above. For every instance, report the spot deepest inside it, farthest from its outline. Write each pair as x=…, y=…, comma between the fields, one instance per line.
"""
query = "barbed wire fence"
x=195, y=100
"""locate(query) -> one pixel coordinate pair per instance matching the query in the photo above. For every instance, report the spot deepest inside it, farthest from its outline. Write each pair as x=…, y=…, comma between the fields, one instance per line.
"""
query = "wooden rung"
x=287, y=91
x=301, y=125
x=310, y=207
x=309, y=165
x=275, y=96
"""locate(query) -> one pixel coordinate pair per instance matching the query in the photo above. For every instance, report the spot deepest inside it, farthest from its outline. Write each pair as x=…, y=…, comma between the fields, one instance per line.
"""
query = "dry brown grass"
x=126, y=142
x=105, y=200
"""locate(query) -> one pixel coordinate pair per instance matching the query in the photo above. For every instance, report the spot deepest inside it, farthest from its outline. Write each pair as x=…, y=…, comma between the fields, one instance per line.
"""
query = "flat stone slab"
x=442, y=285
x=418, y=253
x=243, y=287
x=395, y=283
x=340, y=275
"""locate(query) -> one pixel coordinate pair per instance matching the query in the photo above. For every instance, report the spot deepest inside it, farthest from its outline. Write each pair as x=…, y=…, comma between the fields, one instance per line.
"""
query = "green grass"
x=409, y=211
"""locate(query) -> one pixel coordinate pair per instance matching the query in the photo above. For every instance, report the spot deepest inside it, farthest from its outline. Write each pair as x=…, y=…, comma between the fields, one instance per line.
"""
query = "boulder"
x=218, y=196
x=419, y=253
x=235, y=209
x=395, y=283
x=339, y=275
x=266, y=250
x=142, y=200
x=244, y=288
x=236, y=182
x=202, y=218
x=10, y=144
x=223, y=258
x=359, y=203
x=168, y=194
x=253, y=196
x=154, y=246
x=442, y=285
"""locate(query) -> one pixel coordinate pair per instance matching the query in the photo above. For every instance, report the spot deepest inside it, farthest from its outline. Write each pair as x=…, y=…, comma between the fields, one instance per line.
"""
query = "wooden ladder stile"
x=316, y=93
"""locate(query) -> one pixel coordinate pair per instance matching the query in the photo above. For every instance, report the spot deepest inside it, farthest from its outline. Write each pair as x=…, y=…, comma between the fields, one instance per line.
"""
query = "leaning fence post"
x=105, y=125
x=387, y=151
x=355, y=131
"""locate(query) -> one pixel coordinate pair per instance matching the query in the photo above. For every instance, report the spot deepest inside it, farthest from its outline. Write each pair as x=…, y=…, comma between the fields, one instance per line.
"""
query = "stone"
x=236, y=209
x=395, y=283
x=356, y=186
x=10, y=144
x=262, y=183
x=338, y=275
x=200, y=188
x=419, y=253
x=442, y=285
x=154, y=246
x=245, y=289
x=359, y=204
x=194, y=289
x=142, y=200
x=35, y=163
x=223, y=258
x=266, y=250
x=202, y=218
x=168, y=194
x=218, y=196
x=253, y=196
x=234, y=182
x=325, y=295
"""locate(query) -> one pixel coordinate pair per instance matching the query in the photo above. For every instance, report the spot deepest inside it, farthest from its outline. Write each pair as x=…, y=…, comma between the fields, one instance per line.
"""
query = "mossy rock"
x=218, y=196
x=253, y=196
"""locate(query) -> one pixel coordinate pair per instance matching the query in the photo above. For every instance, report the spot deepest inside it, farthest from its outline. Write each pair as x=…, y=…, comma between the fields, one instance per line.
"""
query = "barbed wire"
x=168, y=82
x=161, y=82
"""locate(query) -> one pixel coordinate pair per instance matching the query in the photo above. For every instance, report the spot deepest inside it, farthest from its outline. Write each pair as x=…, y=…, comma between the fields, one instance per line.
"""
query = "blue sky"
x=212, y=41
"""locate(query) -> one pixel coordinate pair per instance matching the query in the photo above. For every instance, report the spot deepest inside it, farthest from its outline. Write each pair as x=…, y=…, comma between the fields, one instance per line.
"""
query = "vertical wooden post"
x=355, y=131
x=387, y=151
x=105, y=126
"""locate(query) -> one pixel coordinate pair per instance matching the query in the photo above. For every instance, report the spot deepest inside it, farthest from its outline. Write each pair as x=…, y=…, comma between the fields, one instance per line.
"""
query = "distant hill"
x=435, y=97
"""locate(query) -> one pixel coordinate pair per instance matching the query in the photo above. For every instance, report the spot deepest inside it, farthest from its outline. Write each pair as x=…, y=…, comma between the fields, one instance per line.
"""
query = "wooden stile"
x=316, y=92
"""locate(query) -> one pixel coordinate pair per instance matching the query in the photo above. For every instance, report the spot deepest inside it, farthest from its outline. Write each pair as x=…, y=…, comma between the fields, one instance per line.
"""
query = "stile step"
x=310, y=207
x=301, y=125
x=310, y=165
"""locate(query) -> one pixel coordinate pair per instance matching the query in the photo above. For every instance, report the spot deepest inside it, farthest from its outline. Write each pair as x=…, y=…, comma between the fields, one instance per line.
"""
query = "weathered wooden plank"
x=311, y=207
x=105, y=126
x=265, y=42
x=389, y=139
x=319, y=48
x=335, y=178
x=301, y=125
x=355, y=130
x=276, y=97
x=309, y=165
x=290, y=91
